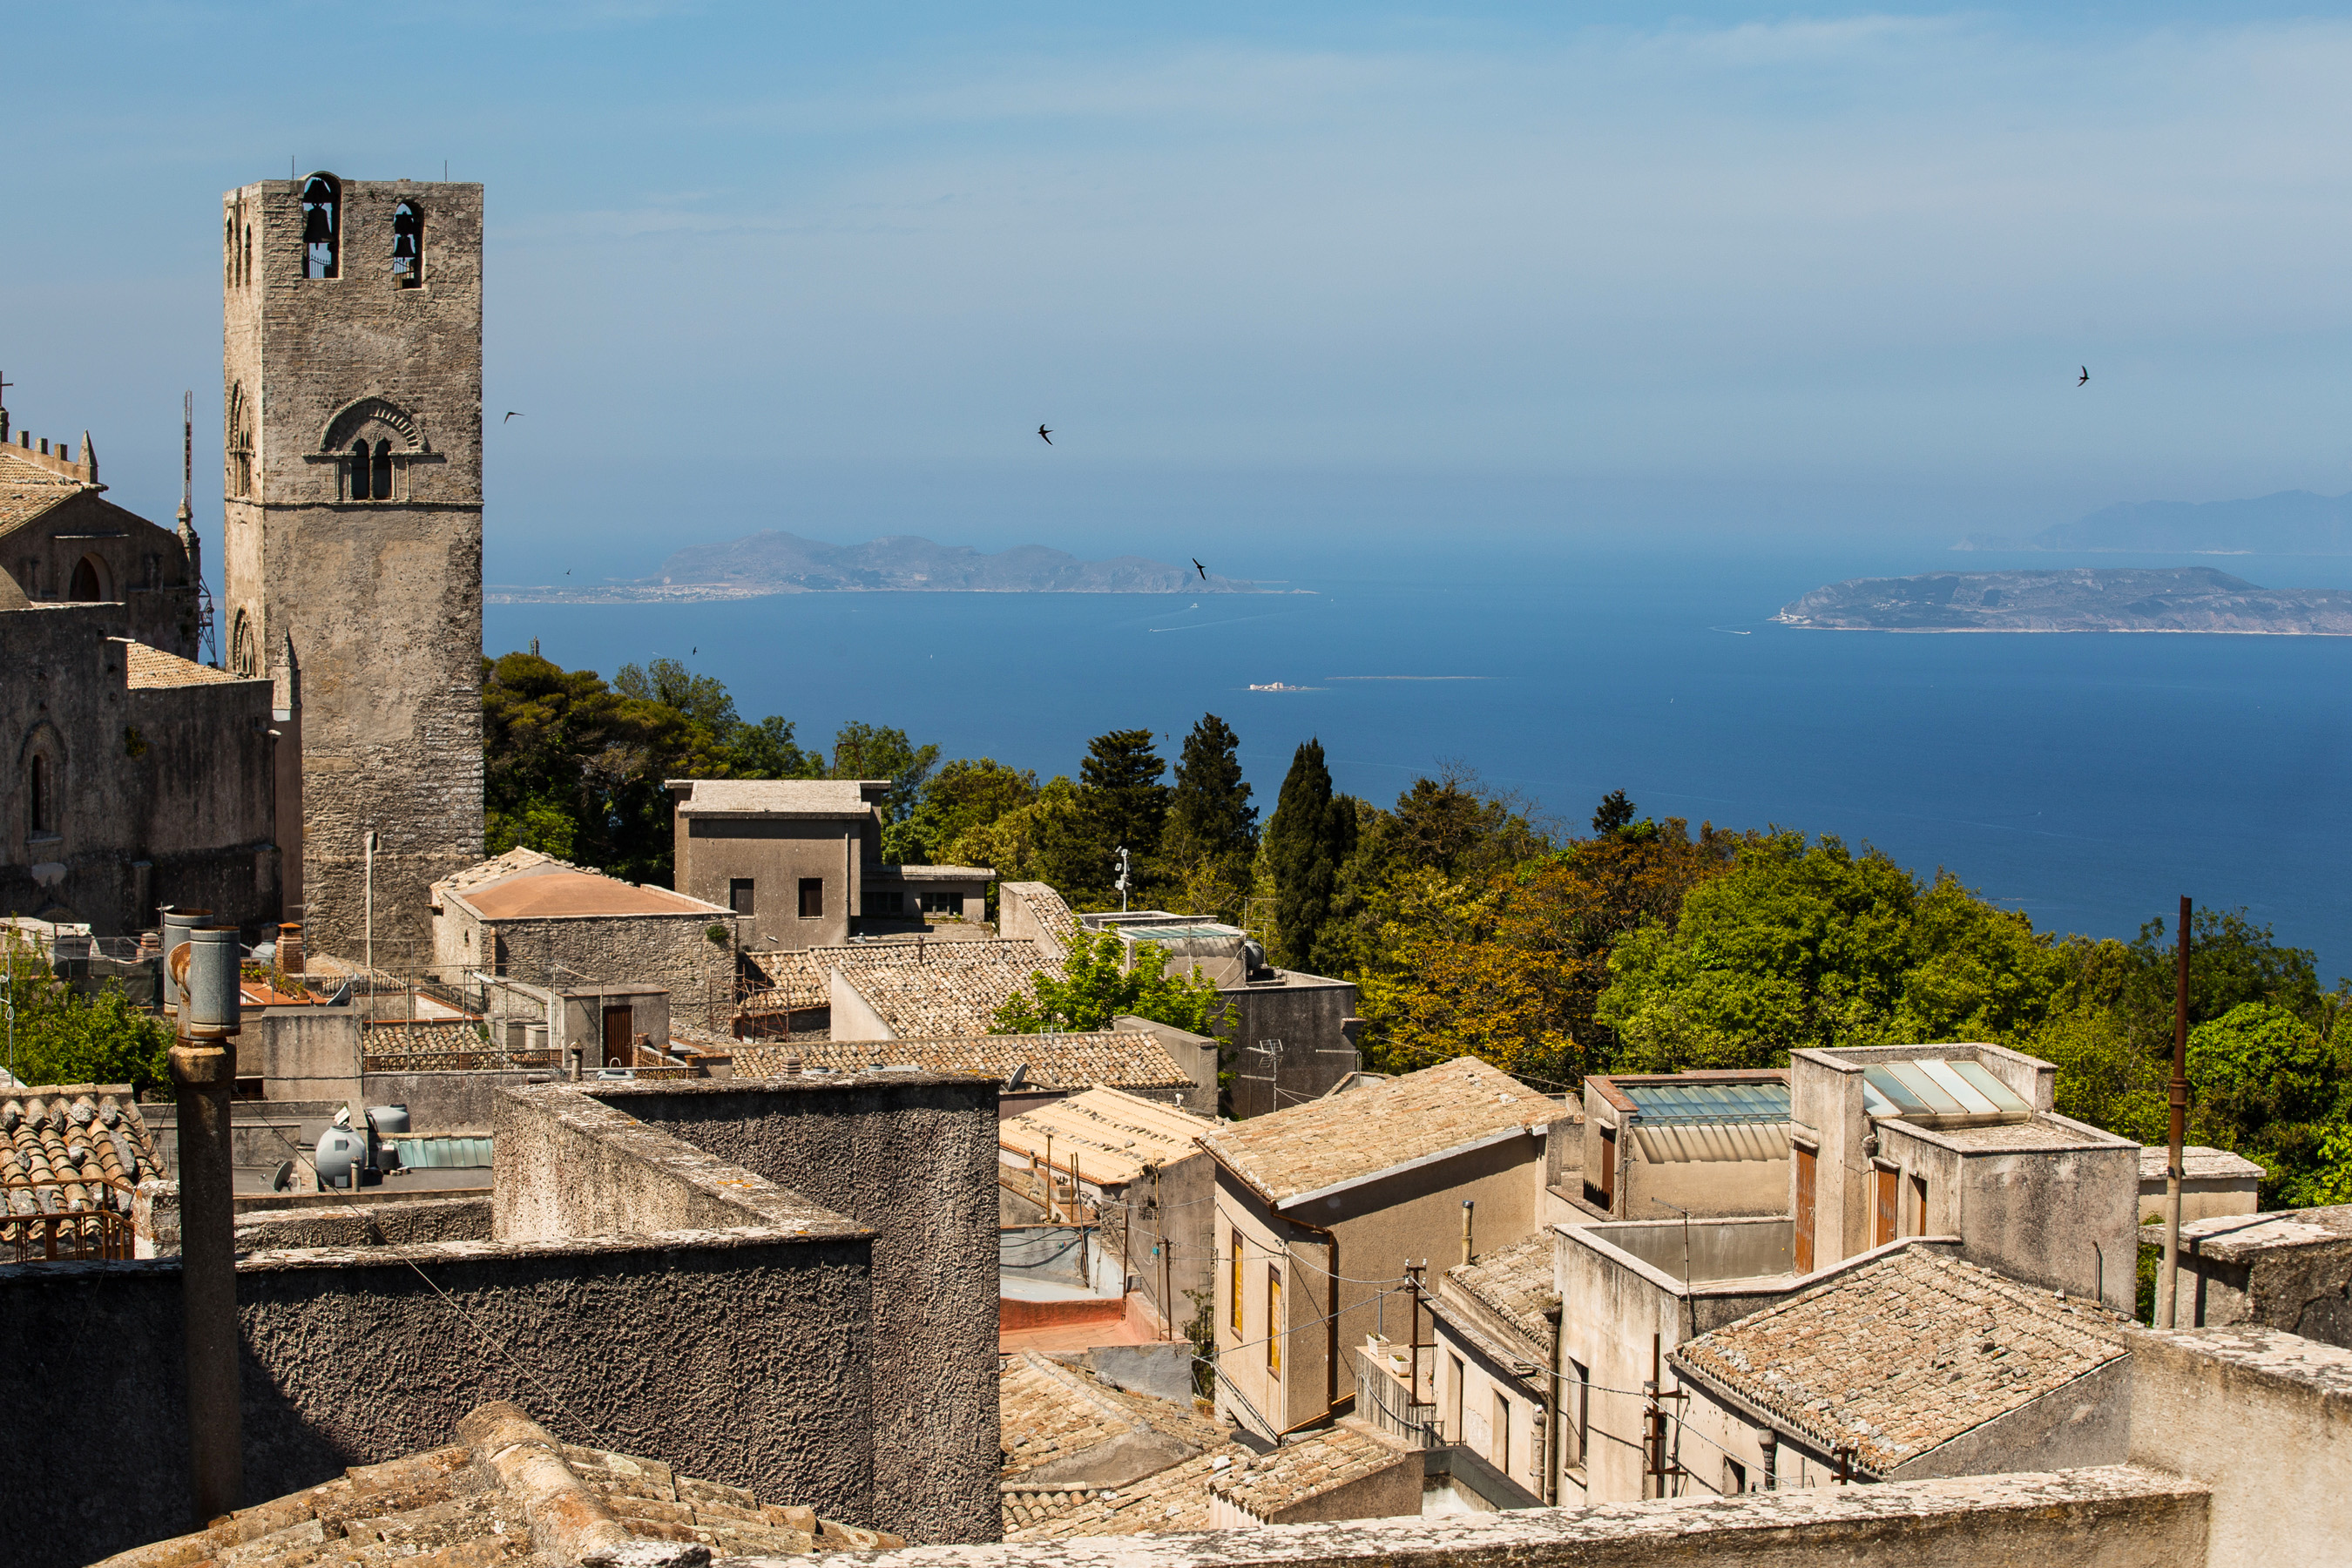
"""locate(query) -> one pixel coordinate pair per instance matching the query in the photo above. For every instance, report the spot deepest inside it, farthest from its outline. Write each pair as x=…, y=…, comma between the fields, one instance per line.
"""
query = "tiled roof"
x=544, y=891
x=1113, y=1135
x=1270, y=1483
x=938, y=987
x=1054, y=1062
x=777, y=798
x=1177, y=1498
x=2198, y=1164
x=1905, y=1354
x=1516, y=1282
x=1052, y=913
x=1327, y=1142
x=797, y=978
x=497, y=869
x=1049, y=1411
x=29, y=489
x=481, y=1501
x=145, y=667
x=70, y=1148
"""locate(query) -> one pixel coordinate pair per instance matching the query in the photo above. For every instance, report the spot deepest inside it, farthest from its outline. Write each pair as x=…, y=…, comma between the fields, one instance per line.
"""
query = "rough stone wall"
x=446, y=1102
x=914, y=1158
x=162, y=795
x=381, y=600
x=2118, y=1517
x=737, y=1358
x=671, y=951
x=338, y=1223
x=142, y=566
x=2259, y=1416
x=1304, y=1013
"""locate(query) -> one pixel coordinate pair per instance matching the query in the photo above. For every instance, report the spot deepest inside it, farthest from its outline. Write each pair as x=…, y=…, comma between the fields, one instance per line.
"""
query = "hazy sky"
x=825, y=267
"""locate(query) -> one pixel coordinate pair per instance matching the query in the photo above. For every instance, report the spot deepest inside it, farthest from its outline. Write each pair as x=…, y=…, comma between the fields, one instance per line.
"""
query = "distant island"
x=2290, y=522
x=2085, y=599
x=774, y=561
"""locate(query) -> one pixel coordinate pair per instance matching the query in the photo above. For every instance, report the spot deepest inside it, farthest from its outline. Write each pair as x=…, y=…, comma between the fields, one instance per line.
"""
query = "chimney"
x=1467, y=1207
x=291, y=962
x=204, y=973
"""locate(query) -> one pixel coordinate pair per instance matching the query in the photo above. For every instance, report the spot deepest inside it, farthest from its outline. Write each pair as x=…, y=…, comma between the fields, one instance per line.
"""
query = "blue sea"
x=2088, y=779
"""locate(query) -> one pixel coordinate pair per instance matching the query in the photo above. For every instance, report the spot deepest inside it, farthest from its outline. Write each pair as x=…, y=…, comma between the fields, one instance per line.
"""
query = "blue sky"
x=1506, y=270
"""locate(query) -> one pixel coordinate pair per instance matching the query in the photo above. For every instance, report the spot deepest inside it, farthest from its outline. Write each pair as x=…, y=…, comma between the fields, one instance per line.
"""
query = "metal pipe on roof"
x=204, y=1065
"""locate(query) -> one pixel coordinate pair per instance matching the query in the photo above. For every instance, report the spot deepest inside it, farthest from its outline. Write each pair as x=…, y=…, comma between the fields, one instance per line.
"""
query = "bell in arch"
x=315, y=228
x=403, y=247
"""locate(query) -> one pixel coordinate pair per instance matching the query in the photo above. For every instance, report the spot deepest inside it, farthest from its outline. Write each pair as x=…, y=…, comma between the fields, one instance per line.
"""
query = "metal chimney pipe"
x=177, y=923
x=204, y=971
x=1467, y=1208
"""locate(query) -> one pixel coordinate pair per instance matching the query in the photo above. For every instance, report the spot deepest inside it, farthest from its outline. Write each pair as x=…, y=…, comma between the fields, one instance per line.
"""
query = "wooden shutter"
x=1883, y=1227
x=1804, y=1239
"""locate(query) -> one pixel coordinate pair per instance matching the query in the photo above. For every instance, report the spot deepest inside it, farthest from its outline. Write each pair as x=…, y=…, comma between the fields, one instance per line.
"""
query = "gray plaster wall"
x=379, y=600
x=1196, y=1055
x=1183, y=1218
x=162, y=795
x=1305, y=1013
x=671, y=951
x=336, y=1224
x=2260, y=1416
x=2064, y=1219
x=446, y=1101
x=774, y=854
x=2082, y=1423
x=735, y=1358
x=914, y=1158
x=302, y=1053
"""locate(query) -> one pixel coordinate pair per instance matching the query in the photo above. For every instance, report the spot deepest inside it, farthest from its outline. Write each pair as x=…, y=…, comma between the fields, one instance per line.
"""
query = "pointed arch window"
x=371, y=470
x=239, y=443
x=407, y=246
x=323, y=226
x=244, y=658
x=41, y=796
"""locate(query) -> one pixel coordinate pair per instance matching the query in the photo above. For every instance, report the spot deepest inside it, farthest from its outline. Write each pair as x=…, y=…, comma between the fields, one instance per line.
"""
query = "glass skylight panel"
x=1959, y=1089
x=2003, y=1097
x=1941, y=1100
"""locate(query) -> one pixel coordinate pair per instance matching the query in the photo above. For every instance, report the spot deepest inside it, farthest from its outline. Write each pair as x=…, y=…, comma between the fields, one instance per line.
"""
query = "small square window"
x=738, y=895
x=811, y=898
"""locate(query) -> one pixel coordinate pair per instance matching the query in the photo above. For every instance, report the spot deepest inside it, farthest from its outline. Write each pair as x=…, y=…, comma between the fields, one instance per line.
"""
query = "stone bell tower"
x=351, y=360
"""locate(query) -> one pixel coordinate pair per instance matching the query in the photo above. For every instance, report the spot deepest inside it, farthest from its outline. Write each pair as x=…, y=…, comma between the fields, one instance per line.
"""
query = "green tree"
x=1094, y=987
x=1804, y=946
x=1212, y=831
x=1122, y=804
x=862, y=750
x=965, y=797
x=62, y=1036
x=702, y=698
x=767, y=750
x=1310, y=834
x=1615, y=812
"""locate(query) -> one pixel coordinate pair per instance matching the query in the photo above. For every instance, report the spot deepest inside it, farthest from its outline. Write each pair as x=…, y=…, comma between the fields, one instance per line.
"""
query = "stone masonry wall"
x=915, y=1159
x=381, y=601
x=671, y=951
x=737, y=1357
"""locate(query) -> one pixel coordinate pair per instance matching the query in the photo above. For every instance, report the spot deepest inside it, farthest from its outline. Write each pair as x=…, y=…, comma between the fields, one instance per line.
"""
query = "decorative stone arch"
x=239, y=441
x=372, y=443
x=42, y=784
x=91, y=582
x=244, y=646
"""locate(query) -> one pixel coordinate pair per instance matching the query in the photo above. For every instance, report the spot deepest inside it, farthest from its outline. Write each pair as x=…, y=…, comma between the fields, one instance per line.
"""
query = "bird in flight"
x=1204, y=571
x=2084, y=379
x=1044, y=435
x=510, y=414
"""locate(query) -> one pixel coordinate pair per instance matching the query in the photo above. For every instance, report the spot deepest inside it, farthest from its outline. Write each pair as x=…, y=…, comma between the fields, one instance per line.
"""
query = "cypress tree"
x=1310, y=833
x=1210, y=816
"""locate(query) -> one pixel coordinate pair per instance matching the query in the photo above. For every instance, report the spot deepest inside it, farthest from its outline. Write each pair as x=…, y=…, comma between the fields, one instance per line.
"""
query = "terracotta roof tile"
x=1113, y=1135
x=1905, y=1354
x=1516, y=1282
x=1177, y=1498
x=148, y=668
x=1347, y=1137
x=1054, y=1062
x=27, y=488
x=455, y=1505
x=1049, y=1410
x=1305, y=1468
x=71, y=1149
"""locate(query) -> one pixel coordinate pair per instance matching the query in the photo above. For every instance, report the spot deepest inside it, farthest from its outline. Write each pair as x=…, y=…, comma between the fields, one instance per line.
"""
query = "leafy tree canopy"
x=963, y=799
x=1212, y=830
x=63, y=1036
x=1094, y=988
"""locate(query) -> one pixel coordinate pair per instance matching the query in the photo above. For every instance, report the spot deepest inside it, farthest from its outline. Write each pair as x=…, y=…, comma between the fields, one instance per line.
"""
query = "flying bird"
x=1204, y=571
x=2084, y=379
x=1044, y=435
x=510, y=414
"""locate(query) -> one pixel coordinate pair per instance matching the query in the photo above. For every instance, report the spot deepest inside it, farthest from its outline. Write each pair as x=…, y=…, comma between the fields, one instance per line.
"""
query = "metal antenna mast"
x=207, y=645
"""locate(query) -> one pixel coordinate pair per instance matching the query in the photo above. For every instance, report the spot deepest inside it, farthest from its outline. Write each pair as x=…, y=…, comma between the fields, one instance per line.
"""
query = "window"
x=243, y=656
x=240, y=443
x=87, y=588
x=40, y=796
x=1502, y=1433
x=407, y=246
x=942, y=903
x=323, y=226
x=1572, y=1417
x=1274, y=1319
x=1453, y=1399
x=381, y=470
x=1237, y=1284
x=371, y=470
x=738, y=895
x=1735, y=1478
x=1919, y=1204
x=811, y=898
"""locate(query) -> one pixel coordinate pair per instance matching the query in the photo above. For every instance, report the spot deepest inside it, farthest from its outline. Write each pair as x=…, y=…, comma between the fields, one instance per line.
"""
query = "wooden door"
x=1804, y=1239
x=619, y=1048
x=1609, y=1169
x=1882, y=1229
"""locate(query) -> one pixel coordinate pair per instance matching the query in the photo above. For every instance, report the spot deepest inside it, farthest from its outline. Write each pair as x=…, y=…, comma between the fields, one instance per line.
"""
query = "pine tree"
x=1310, y=834
x=1122, y=804
x=1212, y=827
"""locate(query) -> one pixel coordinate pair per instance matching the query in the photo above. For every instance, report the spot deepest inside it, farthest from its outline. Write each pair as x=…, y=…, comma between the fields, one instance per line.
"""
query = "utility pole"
x=2168, y=1288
